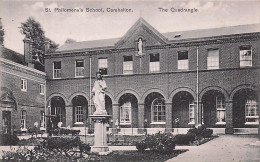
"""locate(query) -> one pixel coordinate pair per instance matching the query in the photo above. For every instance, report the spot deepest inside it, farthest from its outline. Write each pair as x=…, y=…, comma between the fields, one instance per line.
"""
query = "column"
x=115, y=108
x=229, y=117
x=141, y=115
x=168, y=109
x=69, y=116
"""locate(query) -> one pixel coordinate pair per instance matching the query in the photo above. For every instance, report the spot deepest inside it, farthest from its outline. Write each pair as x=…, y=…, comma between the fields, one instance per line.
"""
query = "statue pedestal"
x=100, y=132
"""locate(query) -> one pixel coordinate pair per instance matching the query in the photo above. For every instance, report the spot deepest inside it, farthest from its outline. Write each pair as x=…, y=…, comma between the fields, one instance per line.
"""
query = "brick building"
x=22, y=100
x=155, y=80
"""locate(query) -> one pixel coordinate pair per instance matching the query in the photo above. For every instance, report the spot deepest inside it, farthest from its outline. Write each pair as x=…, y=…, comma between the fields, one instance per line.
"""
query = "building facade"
x=169, y=80
x=22, y=92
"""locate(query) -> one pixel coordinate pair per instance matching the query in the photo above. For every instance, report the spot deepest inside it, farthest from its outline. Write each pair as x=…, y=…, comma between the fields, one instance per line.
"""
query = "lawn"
x=146, y=156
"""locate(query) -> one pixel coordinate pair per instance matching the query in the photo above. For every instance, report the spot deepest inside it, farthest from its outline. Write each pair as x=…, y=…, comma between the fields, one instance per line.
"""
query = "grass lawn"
x=132, y=156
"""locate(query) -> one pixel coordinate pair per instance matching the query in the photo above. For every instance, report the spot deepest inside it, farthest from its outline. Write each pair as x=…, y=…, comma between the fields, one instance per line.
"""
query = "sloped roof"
x=202, y=33
x=171, y=36
x=11, y=55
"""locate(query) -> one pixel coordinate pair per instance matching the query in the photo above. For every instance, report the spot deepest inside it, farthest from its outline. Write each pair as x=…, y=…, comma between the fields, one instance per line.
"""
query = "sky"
x=83, y=26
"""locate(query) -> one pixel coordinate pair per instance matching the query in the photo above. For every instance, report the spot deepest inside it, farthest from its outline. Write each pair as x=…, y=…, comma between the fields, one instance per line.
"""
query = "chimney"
x=28, y=60
x=47, y=46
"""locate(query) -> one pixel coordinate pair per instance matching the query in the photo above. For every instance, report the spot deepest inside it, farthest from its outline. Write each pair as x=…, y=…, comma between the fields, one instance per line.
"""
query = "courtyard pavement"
x=225, y=148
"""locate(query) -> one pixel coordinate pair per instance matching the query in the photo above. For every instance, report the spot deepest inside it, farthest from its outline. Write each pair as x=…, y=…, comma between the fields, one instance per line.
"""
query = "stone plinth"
x=100, y=133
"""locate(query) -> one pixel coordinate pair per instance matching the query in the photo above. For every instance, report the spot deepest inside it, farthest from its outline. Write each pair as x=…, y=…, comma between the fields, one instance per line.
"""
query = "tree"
x=2, y=32
x=32, y=30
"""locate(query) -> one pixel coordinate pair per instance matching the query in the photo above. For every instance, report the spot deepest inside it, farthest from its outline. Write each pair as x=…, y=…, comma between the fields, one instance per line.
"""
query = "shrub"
x=201, y=132
x=8, y=139
x=161, y=143
x=184, y=139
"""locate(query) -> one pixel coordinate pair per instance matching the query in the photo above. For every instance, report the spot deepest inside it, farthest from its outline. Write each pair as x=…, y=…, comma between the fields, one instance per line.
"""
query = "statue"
x=140, y=47
x=98, y=95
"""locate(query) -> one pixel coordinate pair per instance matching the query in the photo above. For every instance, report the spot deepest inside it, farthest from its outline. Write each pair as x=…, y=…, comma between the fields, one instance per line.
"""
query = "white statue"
x=98, y=95
x=140, y=47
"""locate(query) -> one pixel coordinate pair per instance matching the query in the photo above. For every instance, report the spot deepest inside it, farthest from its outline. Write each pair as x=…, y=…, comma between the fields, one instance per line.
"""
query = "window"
x=183, y=62
x=128, y=65
x=221, y=110
x=154, y=63
x=42, y=87
x=79, y=68
x=125, y=113
x=57, y=69
x=42, y=121
x=191, y=112
x=252, y=116
x=245, y=56
x=23, y=120
x=213, y=59
x=24, y=85
x=158, y=110
x=102, y=65
x=78, y=114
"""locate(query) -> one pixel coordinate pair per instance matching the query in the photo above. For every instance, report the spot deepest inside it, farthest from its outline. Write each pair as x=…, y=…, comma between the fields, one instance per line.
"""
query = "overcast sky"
x=91, y=26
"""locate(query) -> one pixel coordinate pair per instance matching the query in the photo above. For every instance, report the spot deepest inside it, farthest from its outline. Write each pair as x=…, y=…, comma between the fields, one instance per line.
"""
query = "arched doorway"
x=214, y=109
x=245, y=108
x=58, y=109
x=80, y=110
x=128, y=112
x=183, y=108
x=155, y=110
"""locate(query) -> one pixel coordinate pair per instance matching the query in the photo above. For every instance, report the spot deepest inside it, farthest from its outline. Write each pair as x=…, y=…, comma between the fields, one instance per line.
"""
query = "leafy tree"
x=32, y=30
x=69, y=40
x=2, y=32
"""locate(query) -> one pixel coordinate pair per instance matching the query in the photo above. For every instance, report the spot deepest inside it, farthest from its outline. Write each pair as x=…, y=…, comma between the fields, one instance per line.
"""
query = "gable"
x=141, y=29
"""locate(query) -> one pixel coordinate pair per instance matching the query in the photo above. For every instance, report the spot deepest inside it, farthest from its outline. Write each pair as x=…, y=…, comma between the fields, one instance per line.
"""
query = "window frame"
x=42, y=89
x=251, y=102
x=151, y=64
x=184, y=62
x=125, y=64
x=79, y=117
x=251, y=58
x=23, y=116
x=212, y=61
x=100, y=67
x=81, y=68
x=56, y=72
x=126, y=107
x=163, y=109
x=191, y=113
x=220, y=108
x=24, y=85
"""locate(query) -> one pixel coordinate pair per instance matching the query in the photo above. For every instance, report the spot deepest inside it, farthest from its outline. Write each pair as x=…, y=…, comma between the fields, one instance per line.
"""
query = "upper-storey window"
x=102, y=65
x=79, y=70
x=245, y=56
x=183, y=61
x=24, y=85
x=213, y=59
x=57, y=69
x=154, y=65
x=42, y=88
x=128, y=65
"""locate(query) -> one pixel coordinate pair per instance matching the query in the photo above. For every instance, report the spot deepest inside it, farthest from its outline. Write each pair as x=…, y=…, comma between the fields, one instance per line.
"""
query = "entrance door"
x=6, y=116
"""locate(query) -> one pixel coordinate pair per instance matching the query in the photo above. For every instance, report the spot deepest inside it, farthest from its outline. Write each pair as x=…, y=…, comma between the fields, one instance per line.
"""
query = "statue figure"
x=98, y=95
x=140, y=47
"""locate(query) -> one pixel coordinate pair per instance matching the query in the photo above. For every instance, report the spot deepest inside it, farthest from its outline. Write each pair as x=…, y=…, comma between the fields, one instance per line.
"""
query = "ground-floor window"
x=125, y=113
x=221, y=110
x=158, y=110
x=79, y=114
x=42, y=120
x=23, y=120
x=57, y=111
x=191, y=112
x=251, y=109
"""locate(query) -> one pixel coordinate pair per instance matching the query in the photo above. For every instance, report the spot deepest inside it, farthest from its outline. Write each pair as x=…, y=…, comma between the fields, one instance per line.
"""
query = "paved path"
x=226, y=148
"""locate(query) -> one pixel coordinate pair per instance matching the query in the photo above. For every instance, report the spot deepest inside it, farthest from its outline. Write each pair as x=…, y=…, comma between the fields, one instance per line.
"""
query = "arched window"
x=158, y=110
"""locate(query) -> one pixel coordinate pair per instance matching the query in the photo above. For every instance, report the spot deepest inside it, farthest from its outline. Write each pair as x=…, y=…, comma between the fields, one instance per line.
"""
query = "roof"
x=171, y=36
x=11, y=55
